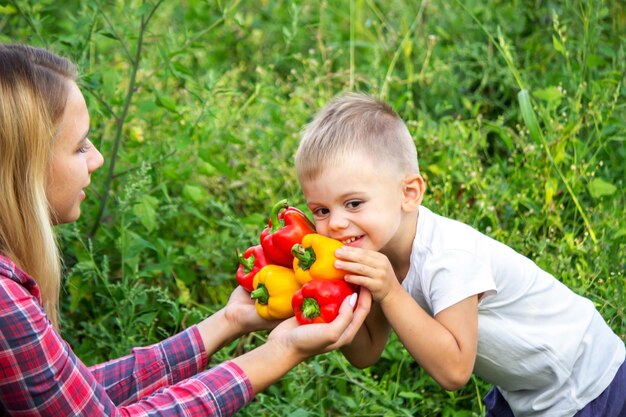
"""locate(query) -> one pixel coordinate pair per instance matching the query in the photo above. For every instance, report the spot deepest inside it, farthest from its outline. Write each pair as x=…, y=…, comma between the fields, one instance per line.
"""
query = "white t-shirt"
x=546, y=348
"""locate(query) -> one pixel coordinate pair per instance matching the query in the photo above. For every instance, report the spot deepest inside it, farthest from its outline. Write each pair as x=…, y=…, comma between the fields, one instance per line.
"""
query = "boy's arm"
x=370, y=341
x=445, y=346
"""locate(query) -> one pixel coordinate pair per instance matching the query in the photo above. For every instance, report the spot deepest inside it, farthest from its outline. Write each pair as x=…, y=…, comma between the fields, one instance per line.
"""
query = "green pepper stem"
x=278, y=207
x=310, y=308
x=248, y=263
x=306, y=256
x=260, y=294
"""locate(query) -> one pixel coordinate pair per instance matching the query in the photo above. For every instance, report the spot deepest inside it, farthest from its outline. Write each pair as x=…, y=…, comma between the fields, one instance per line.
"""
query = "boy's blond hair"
x=34, y=86
x=353, y=123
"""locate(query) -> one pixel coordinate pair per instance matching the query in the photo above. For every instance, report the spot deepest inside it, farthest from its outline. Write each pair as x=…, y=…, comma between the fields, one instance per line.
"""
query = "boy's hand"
x=369, y=269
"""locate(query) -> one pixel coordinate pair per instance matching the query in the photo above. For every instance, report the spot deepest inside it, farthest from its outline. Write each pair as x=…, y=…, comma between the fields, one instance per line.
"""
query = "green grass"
x=197, y=107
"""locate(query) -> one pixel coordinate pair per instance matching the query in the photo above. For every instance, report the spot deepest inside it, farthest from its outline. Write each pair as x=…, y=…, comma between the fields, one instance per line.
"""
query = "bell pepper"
x=318, y=301
x=286, y=227
x=250, y=262
x=315, y=258
x=274, y=286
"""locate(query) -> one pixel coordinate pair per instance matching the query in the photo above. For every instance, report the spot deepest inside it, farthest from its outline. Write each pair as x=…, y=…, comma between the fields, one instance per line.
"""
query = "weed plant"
x=517, y=109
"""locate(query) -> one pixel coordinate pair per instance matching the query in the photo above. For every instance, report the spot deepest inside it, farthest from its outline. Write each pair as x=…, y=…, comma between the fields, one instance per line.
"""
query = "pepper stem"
x=248, y=263
x=278, y=207
x=260, y=294
x=305, y=256
x=310, y=308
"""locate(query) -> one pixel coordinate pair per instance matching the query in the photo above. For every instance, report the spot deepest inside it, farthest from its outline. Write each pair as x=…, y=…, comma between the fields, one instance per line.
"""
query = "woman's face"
x=74, y=158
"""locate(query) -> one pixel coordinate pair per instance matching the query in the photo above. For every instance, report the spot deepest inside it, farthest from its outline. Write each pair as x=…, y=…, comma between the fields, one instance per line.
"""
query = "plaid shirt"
x=41, y=376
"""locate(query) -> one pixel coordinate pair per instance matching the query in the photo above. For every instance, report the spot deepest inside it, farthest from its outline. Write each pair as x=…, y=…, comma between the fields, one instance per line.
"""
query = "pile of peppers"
x=291, y=271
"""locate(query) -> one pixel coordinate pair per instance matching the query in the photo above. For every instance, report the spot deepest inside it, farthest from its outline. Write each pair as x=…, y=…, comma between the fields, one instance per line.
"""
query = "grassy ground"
x=197, y=107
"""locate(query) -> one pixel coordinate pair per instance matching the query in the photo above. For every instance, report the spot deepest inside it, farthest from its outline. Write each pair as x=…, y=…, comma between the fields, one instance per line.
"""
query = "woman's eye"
x=85, y=147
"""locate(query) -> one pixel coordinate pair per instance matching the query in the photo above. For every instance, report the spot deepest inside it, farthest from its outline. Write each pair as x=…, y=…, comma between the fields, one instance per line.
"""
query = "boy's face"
x=359, y=203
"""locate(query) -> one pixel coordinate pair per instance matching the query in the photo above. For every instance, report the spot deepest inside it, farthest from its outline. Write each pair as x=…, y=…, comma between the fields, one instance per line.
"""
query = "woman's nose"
x=95, y=160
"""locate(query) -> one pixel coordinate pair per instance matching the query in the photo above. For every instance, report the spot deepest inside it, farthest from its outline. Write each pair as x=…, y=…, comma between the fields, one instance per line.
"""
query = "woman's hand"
x=289, y=343
x=311, y=339
x=240, y=312
x=235, y=319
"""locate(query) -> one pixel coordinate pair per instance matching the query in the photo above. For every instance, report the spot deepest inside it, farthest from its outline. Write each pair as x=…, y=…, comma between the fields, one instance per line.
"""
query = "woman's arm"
x=42, y=376
x=148, y=369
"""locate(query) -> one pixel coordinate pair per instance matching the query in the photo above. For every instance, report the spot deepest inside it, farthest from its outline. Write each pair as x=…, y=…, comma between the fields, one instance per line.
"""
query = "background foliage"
x=197, y=108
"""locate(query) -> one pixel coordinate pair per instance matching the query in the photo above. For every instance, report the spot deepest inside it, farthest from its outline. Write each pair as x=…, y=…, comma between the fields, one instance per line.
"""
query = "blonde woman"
x=46, y=160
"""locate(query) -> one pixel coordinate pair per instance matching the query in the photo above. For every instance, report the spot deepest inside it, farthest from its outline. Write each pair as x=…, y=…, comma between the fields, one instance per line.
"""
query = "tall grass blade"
x=530, y=120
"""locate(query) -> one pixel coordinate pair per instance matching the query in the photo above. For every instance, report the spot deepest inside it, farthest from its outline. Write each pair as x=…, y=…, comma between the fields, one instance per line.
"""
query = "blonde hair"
x=355, y=122
x=34, y=89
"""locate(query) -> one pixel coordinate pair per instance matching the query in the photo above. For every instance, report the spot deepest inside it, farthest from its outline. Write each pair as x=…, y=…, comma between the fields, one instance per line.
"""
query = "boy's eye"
x=354, y=204
x=320, y=212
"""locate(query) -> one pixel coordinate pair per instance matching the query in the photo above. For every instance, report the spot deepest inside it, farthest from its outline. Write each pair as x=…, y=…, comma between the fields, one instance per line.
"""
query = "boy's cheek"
x=320, y=228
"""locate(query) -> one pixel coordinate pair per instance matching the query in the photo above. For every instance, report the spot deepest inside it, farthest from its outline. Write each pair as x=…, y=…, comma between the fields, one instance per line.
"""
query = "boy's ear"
x=413, y=187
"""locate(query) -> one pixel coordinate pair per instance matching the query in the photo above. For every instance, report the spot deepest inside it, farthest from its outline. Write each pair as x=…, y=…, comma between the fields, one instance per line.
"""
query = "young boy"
x=459, y=301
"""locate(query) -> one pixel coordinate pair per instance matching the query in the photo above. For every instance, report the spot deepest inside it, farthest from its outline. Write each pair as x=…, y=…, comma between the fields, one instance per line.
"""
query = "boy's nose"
x=337, y=221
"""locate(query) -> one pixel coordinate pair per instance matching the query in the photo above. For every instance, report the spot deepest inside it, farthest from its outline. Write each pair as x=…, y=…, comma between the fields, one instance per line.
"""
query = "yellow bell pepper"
x=315, y=258
x=274, y=286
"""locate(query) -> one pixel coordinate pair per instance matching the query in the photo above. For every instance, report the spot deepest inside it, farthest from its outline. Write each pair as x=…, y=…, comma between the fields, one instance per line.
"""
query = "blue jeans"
x=611, y=403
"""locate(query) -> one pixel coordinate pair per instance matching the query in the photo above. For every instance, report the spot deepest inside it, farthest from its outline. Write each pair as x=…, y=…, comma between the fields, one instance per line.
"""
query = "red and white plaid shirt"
x=41, y=376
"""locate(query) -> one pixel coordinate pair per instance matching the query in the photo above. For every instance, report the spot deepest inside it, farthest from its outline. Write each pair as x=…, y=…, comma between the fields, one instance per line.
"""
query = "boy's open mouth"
x=351, y=239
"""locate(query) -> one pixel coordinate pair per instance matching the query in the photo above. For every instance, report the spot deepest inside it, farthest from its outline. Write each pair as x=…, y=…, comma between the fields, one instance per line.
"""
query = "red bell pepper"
x=286, y=227
x=318, y=301
x=251, y=262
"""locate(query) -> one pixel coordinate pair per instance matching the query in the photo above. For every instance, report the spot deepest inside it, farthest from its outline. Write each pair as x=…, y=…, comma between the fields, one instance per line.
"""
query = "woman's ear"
x=413, y=187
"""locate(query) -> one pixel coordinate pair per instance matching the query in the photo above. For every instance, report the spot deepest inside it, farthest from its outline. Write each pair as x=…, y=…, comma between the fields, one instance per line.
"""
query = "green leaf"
x=146, y=318
x=195, y=193
x=167, y=103
x=550, y=94
x=599, y=188
x=408, y=394
x=184, y=296
x=528, y=114
x=136, y=245
x=9, y=9
x=107, y=33
x=551, y=187
x=558, y=46
x=206, y=168
x=77, y=291
x=146, y=211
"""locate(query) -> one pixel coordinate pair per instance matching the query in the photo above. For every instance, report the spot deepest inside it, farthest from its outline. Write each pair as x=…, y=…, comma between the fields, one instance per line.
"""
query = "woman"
x=46, y=160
